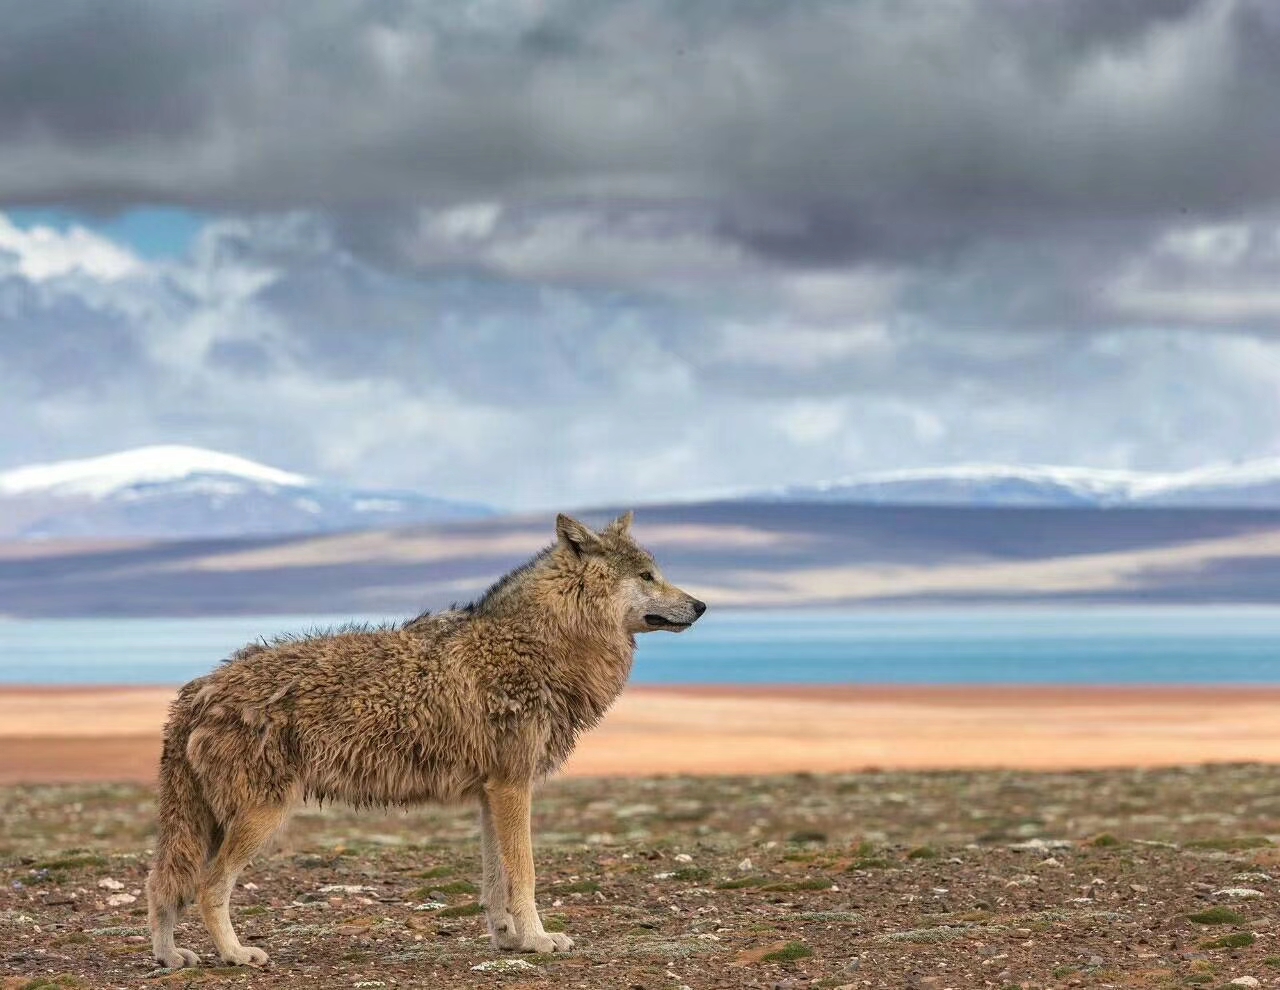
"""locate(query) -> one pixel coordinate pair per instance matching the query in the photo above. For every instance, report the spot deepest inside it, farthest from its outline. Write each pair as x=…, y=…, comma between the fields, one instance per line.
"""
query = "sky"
x=552, y=252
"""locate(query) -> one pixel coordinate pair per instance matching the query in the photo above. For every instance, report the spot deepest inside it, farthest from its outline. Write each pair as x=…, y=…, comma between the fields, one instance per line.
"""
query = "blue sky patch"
x=150, y=232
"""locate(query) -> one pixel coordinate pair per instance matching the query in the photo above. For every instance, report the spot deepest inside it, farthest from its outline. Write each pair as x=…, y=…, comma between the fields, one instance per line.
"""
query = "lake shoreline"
x=1085, y=647
x=68, y=734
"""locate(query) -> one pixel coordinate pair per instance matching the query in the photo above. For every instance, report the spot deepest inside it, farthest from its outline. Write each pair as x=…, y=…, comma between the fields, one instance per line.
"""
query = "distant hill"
x=731, y=554
x=1254, y=484
x=175, y=492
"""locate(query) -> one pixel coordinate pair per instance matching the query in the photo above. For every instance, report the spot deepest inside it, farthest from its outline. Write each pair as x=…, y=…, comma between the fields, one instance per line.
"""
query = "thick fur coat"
x=474, y=703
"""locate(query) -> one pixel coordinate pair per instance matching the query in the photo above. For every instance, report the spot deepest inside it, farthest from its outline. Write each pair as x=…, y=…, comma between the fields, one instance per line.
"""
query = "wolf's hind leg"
x=495, y=887
x=510, y=806
x=245, y=835
x=163, y=915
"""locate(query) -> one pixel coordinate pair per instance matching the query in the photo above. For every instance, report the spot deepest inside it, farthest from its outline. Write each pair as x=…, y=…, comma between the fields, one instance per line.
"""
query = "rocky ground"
x=994, y=879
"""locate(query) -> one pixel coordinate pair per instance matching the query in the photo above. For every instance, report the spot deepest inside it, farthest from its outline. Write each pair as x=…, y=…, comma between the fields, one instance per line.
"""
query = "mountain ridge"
x=181, y=492
x=1249, y=484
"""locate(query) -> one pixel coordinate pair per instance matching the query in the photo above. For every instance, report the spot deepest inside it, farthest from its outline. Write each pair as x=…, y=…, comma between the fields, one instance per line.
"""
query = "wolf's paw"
x=502, y=930
x=545, y=942
x=245, y=956
x=179, y=958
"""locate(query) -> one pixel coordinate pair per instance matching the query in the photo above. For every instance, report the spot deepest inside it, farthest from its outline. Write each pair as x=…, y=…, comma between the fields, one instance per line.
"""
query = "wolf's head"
x=628, y=576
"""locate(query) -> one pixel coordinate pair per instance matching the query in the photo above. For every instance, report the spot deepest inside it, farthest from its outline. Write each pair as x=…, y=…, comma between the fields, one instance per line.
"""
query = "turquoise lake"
x=1203, y=645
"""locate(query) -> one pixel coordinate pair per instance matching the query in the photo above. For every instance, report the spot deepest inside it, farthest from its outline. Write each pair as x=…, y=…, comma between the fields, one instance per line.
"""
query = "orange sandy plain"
x=98, y=734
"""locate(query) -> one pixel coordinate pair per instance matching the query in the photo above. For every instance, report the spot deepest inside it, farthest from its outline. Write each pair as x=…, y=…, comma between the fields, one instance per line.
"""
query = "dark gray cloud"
x=815, y=131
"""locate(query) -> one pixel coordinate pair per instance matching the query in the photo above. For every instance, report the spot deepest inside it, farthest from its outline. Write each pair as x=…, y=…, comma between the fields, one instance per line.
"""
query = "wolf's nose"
x=699, y=607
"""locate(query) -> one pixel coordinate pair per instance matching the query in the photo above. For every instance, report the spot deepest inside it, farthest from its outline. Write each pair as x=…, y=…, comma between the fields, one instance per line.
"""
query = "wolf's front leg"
x=509, y=805
x=495, y=889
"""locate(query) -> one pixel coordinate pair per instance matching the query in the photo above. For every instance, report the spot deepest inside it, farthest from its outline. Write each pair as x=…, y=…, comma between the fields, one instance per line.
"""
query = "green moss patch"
x=1236, y=940
x=790, y=953
x=1232, y=843
x=51, y=982
x=72, y=861
x=456, y=887
x=577, y=887
x=740, y=882
x=1216, y=916
x=809, y=883
x=453, y=887
x=461, y=910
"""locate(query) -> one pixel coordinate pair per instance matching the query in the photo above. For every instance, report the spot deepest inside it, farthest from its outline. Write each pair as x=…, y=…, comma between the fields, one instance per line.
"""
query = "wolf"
x=474, y=703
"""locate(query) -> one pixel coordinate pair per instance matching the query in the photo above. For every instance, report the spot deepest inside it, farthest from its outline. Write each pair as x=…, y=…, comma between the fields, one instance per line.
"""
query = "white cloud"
x=780, y=343
x=272, y=342
x=41, y=252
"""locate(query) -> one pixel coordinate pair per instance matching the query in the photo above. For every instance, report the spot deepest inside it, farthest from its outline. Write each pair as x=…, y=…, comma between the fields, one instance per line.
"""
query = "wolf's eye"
x=646, y=575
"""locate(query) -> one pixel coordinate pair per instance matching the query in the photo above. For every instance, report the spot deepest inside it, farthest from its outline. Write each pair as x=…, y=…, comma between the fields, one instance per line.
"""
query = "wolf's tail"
x=188, y=834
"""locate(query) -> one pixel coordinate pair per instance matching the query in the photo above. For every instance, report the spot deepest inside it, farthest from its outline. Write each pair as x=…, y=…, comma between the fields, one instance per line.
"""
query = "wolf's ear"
x=622, y=525
x=576, y=536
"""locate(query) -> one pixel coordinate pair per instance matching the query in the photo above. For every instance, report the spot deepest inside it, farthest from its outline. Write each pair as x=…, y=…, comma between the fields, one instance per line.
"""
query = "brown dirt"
x=79, y=734
x=918, y=880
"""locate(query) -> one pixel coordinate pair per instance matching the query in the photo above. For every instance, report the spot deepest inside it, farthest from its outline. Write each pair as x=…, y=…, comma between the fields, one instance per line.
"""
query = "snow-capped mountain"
x=1254, y=484
x=181, y=492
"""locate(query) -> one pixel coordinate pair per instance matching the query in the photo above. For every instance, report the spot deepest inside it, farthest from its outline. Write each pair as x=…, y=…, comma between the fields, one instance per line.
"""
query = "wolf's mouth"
x=654, y=621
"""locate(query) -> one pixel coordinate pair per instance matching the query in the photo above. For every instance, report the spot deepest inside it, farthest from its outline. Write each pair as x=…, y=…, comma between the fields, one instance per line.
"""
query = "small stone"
x=1097, y=961
x=106, y=883
x=746, y=865
x=683, y=858
x=1038, y=845
x=853, y=965
x=502, y=966
x=250, y=885
x=1238, y=893
x=1245, y=981
x=1051, y=861
x=119, y=900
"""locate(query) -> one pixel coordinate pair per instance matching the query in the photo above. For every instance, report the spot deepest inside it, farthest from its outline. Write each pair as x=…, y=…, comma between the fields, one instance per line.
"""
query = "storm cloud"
x=821, y=129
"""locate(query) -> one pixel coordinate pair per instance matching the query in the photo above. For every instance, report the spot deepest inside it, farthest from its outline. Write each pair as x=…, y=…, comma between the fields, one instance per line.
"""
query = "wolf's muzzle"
x=655, y=621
